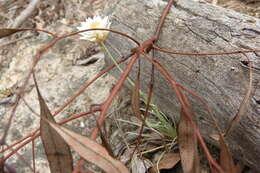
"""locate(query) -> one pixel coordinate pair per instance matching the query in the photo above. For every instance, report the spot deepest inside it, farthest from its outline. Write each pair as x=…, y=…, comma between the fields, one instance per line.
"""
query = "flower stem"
x=114, y=61
x=103, y=46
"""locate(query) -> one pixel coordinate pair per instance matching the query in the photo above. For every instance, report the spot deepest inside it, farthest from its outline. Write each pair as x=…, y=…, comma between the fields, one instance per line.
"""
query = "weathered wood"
x=221, y=80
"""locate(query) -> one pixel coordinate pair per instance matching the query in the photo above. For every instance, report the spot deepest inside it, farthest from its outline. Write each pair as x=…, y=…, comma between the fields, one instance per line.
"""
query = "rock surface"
x=61, y=72
x=221, y=80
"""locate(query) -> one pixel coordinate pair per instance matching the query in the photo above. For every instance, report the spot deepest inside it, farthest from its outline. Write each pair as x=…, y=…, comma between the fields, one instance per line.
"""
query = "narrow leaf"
x=226, y=161
x=243, y=106
x=8, y=31
x=57, y=151
x=136, y=98
x=187, y=142
x=90, y=150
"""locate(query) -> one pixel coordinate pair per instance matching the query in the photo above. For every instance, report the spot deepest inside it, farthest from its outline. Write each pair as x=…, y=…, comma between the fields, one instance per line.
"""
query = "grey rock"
x=197, y=27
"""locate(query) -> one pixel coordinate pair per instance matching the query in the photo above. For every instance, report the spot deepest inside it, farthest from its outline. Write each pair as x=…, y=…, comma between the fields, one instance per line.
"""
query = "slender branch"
x=205, y=53
x=162, y=20
x=102, y=29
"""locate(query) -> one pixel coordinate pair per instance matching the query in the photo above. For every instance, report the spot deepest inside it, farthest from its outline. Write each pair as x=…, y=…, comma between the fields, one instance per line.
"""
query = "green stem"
x=114, y=61
x=103, y=46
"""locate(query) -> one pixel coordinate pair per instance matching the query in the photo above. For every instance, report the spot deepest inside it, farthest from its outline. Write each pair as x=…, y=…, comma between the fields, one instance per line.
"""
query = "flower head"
x=95, y=22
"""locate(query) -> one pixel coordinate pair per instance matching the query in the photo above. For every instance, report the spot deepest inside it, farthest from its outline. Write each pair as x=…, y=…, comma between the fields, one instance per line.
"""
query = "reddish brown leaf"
x=136, y=99
x=90, y=150
x=243, y=106
x=187, y=142
x=8, y=31
x=226, y=161
x=169, y=160
x=57, y=151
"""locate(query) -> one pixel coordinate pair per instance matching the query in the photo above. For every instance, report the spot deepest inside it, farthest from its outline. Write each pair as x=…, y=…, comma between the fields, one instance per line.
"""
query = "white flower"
x=95, y=22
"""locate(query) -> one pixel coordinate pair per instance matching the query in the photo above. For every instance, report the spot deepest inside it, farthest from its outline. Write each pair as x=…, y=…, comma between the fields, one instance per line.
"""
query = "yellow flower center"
x=95, y=24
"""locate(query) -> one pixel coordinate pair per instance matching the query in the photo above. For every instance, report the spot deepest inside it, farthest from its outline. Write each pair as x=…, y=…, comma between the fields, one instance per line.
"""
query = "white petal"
x=95, y=35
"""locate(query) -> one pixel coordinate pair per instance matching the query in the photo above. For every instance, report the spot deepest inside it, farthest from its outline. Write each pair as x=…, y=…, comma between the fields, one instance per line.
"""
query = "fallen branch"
x=25, y=14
